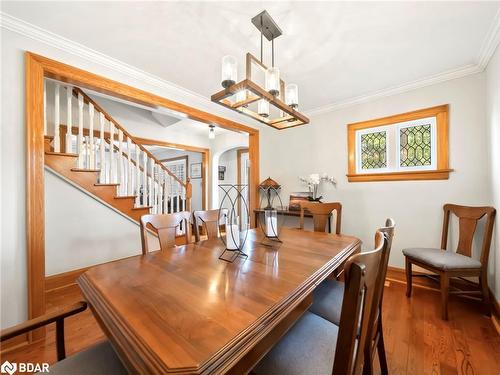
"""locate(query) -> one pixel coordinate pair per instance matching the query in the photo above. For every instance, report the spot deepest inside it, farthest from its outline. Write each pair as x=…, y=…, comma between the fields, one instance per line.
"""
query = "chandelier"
x=262, y=95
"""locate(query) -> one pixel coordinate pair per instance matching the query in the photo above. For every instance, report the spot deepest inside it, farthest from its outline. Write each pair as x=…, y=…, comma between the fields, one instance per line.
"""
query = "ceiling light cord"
x=272, y=50
x=261, y=40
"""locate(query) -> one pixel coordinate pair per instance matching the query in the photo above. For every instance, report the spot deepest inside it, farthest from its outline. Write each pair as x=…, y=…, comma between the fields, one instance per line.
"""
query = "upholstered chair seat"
x=308, y=348
x=100, y=359
x=327, y=300
x=441, y=259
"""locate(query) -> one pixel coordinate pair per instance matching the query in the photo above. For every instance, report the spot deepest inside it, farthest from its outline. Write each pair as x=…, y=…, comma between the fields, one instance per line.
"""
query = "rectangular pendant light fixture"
x=274, y=104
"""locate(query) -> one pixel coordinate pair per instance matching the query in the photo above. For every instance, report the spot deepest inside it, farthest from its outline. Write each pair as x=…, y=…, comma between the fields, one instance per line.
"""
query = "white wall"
x=13, y=289
x=415, y=205
x=97, y=233
x=218, y=146
x=493, y=121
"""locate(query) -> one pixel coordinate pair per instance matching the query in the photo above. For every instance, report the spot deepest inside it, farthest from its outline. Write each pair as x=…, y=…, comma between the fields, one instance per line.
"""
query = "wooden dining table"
x=185, y=311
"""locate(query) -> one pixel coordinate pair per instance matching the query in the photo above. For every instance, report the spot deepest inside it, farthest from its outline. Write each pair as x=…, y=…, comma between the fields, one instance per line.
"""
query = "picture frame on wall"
x=222, y=170
x=195, y=170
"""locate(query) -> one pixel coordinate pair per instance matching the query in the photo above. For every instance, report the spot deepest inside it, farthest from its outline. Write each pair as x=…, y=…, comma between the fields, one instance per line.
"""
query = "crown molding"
x=399, y=89
x=37, y=33
x=490, y=43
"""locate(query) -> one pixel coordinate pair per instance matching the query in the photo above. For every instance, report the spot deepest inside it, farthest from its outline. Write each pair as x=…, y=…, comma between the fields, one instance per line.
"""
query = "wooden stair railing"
x=114, y=156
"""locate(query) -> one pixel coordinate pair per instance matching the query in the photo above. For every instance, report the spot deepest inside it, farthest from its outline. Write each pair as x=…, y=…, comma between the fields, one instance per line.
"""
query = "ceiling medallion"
x=272, y=103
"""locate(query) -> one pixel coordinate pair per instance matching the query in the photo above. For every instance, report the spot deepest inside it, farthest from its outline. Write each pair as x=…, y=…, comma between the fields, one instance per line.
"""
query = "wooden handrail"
x=77, y=91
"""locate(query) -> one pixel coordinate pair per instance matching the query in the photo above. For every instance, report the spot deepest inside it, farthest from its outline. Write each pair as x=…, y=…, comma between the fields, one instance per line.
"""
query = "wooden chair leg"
x=384, y=369
x=483, y=283
x=368, y=366
x=408, y=276
x=445, y=285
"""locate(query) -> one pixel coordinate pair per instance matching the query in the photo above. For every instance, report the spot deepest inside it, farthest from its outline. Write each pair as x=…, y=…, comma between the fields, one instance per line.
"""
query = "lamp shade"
x=292, y=95
x=263, y=108
x=211, y=132
x=229, y=71
x=269, y=183
x=273, y=81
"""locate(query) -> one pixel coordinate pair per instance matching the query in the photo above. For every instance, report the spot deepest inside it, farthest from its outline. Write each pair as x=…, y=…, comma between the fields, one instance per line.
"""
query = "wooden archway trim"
x=38, y=67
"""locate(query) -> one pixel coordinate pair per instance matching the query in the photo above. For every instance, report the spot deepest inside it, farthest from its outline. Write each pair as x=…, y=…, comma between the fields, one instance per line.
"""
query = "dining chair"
x=452, y=264
x=316, y=346
x=165, y=226
x=99, y=359
x=327, y=302
x=210, y=220
x=321, y=212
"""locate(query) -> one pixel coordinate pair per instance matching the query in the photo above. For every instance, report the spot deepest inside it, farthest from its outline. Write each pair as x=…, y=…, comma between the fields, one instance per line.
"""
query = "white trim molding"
x=428, y=81
x=29, y=30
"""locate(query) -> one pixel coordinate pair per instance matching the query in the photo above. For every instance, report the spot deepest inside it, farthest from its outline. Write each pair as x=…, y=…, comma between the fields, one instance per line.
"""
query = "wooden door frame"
x=37, y=68
x=238, y=176
x=205, y=161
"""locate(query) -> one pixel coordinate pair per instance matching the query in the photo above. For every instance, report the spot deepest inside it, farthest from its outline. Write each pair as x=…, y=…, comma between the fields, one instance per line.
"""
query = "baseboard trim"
x=62, y=280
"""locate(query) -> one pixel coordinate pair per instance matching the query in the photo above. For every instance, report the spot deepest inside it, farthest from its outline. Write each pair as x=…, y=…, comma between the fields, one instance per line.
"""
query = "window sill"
x=440, y=174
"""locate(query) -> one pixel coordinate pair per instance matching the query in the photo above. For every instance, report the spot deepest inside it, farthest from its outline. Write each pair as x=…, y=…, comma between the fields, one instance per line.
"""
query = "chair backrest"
x=468, y=218
x=165, y=227
x=321, y=212
x=211, y=220
x=388, y=230
x=359, y=303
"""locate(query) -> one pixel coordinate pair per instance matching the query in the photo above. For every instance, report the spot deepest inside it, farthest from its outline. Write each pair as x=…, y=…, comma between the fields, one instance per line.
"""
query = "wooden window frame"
x=442, y=167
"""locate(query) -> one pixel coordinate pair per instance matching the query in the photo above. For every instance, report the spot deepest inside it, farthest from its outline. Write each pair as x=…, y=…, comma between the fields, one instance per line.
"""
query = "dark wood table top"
x=186, y=311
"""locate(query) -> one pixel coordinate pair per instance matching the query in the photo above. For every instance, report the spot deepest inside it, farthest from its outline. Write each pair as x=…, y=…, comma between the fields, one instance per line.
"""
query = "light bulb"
x=263, y=108
x=229, y=71
x=211, y=132
x=273, y=81
x=292, y=95
x=241, y=95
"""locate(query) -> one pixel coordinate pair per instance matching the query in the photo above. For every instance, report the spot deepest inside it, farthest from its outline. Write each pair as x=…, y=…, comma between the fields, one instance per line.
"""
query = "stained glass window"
x=374, y=150
x=415, y=146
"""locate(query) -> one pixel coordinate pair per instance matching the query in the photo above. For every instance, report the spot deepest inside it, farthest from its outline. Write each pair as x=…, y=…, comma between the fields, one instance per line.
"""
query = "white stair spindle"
x=69, y=120
x=171, y=194
x=79, y=142
x=102, y=150
x=112, y=178
x=57, y=120
x=137, y=175
x=44, y=107
x=90, y=148
x=121, y=178
x=151, y=183
x=130, y=186
x=157, y=189
x=145, y=182
x=162, y=193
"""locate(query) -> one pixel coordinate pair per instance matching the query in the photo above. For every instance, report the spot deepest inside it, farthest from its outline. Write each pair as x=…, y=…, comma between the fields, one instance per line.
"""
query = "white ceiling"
x=335, y=51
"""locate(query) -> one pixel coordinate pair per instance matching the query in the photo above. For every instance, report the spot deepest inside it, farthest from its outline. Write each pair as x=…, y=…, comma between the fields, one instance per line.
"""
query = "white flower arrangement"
x=313, y=181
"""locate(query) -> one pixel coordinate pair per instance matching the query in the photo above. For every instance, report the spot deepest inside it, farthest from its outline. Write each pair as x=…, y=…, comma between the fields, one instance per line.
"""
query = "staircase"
x=96, y=153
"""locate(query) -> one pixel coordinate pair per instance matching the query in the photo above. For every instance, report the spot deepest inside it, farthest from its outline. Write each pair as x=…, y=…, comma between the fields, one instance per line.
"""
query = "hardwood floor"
x=417, y=340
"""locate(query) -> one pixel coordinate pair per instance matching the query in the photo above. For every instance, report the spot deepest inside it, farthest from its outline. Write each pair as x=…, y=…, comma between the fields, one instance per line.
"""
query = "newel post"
x=189, y=194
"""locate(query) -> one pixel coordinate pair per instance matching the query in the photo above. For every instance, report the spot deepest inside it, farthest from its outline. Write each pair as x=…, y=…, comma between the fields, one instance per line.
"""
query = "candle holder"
x=236, y=221
x=270, y=222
